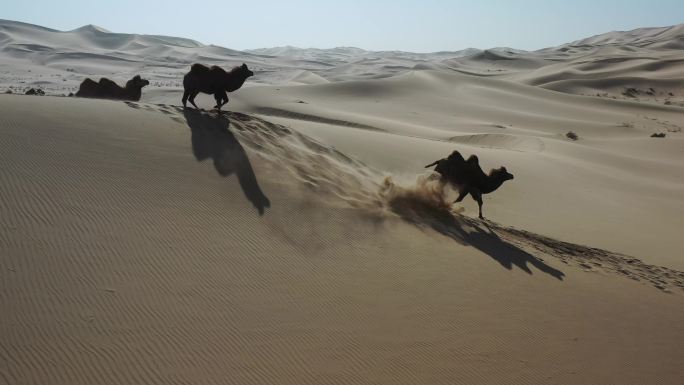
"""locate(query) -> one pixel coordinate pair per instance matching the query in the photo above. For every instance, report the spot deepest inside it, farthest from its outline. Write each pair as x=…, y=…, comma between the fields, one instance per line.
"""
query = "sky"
x=417, y=26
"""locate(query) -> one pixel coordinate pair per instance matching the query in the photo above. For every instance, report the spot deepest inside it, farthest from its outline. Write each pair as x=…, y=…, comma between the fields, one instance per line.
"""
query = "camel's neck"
x=134, y=92
x=235, y=84
x=493, y=182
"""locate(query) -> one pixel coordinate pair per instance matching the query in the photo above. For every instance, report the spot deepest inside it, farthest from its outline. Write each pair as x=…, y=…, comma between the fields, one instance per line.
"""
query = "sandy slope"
x=603, y=189
x=128, y=258
x=299, y=239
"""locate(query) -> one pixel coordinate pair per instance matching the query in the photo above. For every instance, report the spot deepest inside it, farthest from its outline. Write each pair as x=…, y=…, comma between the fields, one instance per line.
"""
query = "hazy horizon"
x=429, y=26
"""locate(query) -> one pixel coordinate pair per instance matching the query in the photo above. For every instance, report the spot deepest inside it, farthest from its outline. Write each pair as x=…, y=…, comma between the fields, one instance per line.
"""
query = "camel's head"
x=505, y=175
x=246, y=71
x=137, y=82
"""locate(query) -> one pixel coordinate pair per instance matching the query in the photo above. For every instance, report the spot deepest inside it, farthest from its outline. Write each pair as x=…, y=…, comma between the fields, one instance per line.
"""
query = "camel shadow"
x=482, y=237
x=475, y=233
x=211, y=138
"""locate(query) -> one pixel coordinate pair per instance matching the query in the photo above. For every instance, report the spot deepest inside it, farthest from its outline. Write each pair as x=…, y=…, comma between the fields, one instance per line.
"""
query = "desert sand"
x=298, y=238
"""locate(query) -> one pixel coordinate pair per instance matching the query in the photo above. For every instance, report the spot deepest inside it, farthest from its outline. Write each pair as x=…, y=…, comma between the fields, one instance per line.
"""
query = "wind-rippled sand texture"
x=142, y=243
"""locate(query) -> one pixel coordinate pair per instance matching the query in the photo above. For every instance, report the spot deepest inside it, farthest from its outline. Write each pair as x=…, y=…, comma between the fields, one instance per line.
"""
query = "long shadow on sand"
x=211, y=138
x=472, y=232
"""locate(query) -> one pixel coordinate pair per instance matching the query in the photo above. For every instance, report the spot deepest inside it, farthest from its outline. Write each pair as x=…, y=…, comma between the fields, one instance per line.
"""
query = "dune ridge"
x=646, y=53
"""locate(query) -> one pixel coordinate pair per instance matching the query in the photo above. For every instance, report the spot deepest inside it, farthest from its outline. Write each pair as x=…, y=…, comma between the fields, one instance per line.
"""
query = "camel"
x=107, y=89
x=214, y=81
x=468, y=177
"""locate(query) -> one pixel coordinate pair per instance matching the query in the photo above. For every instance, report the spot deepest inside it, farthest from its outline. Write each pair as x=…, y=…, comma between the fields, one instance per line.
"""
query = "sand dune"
x=426, y=114
x=642, y=55
x=148, y=261
x=298, y=238
x=162, y=58
x=662, y=37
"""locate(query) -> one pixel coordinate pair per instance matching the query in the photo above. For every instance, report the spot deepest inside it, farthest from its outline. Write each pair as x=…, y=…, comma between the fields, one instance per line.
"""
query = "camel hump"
x=474, y=167
x=456, y=157
x=473, y=160
x=88, y=82
x=217, y=70
x=199, y=68
x=107, y=83
x=87, y=87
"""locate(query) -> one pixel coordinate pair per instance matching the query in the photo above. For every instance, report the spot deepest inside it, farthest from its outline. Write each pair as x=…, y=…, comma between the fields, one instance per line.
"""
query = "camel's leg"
x=192, y=98
x=477, y=195
x=185, y=97
x=219, y=99
x=462, y=192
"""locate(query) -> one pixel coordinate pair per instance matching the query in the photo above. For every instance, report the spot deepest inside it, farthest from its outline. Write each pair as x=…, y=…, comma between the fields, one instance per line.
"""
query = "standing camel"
x=214, y=81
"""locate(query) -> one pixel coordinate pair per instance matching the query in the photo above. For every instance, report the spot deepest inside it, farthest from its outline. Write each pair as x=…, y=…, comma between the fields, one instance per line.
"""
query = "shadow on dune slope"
x=483, y=238
x=341, y=179
x=211, y=138
x=424, y=206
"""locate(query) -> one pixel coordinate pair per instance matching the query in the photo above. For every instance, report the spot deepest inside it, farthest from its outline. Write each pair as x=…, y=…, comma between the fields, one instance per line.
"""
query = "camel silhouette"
x=214, y=81
x=467, y=176
x=107, y=89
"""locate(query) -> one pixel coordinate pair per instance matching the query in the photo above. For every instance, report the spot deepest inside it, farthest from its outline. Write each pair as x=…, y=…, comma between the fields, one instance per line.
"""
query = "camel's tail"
x=432, y=164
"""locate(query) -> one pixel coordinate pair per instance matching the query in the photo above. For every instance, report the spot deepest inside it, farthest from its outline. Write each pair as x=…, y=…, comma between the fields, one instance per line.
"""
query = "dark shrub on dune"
x=35, y=91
